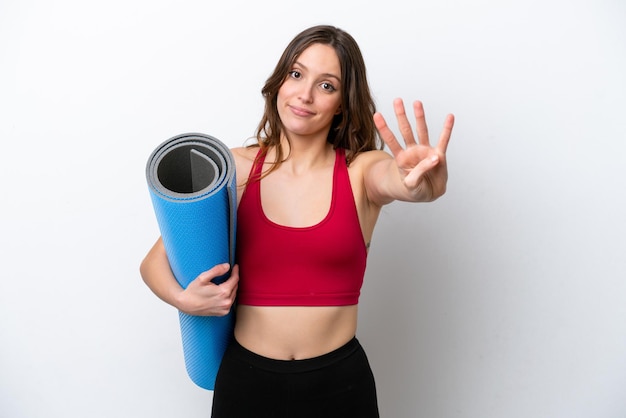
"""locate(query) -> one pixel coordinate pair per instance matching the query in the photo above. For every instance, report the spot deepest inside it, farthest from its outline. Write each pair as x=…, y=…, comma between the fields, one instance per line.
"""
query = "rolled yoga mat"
x=191, y=178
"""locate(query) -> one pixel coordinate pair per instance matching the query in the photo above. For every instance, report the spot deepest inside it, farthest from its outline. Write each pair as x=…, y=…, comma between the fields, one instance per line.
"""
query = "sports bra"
x=319, y=265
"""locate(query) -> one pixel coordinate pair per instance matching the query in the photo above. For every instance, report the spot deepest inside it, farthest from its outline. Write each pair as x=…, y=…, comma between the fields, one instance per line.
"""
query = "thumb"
x=413, y=178
x=206, y=277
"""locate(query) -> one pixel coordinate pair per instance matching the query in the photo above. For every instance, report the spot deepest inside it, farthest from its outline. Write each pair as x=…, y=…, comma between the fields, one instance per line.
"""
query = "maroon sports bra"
x=319, y=265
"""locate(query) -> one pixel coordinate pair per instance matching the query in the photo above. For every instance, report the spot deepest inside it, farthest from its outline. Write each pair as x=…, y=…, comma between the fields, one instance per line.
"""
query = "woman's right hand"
x=202, y=297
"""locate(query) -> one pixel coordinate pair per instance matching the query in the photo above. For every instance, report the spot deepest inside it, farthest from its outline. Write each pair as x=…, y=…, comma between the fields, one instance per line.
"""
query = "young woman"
x=310, y=191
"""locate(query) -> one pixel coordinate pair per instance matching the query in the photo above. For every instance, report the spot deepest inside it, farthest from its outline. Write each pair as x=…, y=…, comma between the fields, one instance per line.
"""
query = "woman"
x=309, y=194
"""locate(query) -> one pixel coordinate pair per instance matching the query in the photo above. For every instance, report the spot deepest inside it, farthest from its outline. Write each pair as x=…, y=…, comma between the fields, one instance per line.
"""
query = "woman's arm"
x=417, y=173
x=201, y=297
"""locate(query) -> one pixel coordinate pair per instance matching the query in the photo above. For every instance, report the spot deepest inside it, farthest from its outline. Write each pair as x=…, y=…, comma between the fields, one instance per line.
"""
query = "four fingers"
x=406, y=130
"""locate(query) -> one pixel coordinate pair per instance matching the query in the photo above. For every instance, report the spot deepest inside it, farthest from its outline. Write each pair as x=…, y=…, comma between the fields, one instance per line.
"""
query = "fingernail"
x=434, y=158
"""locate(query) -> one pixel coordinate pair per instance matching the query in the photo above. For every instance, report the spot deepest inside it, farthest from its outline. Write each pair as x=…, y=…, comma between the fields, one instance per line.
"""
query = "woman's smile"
x=299, y=111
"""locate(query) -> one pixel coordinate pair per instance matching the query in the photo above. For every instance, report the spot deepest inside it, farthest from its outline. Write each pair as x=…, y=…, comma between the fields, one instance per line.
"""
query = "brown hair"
x=353, y=128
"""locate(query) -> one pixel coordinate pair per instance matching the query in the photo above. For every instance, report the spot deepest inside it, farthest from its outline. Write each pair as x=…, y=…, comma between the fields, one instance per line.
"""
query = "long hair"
x=353, y=128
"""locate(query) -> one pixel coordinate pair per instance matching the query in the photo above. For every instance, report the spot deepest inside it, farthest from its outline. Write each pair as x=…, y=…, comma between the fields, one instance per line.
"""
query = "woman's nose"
x=306, y=93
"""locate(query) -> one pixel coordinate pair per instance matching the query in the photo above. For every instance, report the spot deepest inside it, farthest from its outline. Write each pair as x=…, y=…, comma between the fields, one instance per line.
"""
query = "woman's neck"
x=303, y=155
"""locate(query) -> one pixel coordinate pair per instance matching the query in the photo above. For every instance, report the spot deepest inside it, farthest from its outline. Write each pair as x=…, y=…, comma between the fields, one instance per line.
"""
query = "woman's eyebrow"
x=298, y=63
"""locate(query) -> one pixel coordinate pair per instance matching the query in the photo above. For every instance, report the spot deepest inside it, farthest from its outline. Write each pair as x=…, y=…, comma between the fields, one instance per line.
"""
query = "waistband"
x=293, y=366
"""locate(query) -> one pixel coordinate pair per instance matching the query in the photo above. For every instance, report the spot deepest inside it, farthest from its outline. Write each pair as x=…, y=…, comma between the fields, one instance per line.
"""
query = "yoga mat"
x=191, y=178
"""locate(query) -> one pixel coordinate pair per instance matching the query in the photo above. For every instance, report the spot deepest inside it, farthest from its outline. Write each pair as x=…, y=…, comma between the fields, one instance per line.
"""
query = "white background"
x=505, y=298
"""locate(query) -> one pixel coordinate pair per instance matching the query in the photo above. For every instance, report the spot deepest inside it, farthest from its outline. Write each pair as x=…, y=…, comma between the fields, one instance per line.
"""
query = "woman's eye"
x=295, y=74
x=328, y=87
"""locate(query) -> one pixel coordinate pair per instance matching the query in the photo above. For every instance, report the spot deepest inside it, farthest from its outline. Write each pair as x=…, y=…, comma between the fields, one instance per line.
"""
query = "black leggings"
x=338, y=384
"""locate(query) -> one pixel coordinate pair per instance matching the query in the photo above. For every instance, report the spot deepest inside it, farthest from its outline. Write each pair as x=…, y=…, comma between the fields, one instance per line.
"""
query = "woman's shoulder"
x=365, y=159
x=244, y=158
x=247, y=153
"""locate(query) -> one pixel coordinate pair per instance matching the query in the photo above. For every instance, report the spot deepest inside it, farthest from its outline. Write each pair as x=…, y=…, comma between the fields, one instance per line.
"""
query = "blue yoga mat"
x=191, y=178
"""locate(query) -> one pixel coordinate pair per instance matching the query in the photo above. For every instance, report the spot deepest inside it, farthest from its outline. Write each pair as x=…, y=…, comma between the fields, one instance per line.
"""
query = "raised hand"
x=422, y=167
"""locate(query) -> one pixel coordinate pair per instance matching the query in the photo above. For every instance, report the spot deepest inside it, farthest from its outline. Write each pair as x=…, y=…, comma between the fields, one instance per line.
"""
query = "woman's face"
x=310, y=96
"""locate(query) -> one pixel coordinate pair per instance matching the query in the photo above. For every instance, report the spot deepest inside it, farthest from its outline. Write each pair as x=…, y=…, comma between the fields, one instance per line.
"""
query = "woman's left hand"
x=422, y=167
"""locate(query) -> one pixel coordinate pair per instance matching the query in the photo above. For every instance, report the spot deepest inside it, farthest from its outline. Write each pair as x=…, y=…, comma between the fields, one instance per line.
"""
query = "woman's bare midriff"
x=294, y=332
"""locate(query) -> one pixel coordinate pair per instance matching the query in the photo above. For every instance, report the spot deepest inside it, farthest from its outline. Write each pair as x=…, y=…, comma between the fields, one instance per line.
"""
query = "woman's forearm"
x=156, y=273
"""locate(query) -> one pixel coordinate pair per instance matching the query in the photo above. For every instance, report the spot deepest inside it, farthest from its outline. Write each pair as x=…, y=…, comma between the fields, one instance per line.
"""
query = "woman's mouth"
x=299, y=111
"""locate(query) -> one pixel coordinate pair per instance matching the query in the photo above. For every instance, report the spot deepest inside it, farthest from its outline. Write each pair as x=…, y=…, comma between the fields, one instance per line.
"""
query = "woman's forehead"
x=320, y=58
